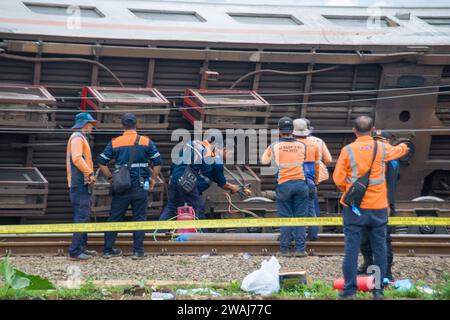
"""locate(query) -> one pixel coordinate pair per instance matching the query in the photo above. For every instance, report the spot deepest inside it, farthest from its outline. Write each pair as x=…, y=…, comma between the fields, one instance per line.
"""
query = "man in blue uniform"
x=120, y=149
x=392, y=168
x=196, y=157
x=206, y=160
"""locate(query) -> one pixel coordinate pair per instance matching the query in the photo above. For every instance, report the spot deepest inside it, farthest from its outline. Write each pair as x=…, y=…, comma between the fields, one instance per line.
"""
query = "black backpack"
x=189, y=178
x=121, y=178
x=357, y=190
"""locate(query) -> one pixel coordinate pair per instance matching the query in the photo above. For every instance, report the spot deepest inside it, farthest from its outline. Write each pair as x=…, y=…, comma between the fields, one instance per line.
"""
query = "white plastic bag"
x=265, y=280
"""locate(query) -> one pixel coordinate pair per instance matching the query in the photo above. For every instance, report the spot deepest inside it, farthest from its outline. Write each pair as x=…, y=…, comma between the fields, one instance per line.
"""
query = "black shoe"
x=312, y=239
x=300, y=254
x=345, y=296
x=112, y=253
x=138, y=256
x=284, y=253
x=90, y=252
x=378, y=294
x=362, y=269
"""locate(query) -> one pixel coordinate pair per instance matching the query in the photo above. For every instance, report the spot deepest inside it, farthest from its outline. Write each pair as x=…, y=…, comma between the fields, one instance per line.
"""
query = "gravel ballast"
x=215, y=268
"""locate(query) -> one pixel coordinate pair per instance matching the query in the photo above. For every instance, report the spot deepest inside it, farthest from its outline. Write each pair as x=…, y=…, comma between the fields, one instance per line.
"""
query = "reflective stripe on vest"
x=288, y=165
x=354, y=169
x=69, y=162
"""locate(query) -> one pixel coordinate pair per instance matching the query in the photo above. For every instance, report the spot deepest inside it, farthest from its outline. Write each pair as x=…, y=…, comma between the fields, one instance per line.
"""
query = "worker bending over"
x=80, y=176
x=362, y=158
x=289, y=155
x=195, y=159
x=216, y=175
x=133, y=151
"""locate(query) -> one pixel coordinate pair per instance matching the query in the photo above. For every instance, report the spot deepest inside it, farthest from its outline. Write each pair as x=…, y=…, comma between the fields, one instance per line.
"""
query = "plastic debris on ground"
x=426, y=290
x=205, y=256
x=264, y=281
x=201, y=291
x=162, y=296
x=182, y=237
x=246, y=256
x=404, y=284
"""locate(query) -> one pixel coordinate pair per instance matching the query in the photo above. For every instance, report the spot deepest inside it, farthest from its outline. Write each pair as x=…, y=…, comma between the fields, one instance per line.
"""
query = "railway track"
x=328, y=244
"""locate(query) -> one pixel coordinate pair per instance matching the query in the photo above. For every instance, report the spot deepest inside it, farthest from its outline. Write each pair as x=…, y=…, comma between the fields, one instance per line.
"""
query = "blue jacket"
x=215, y=175
x=194, y=154
x=119, y=149
x=392, y=169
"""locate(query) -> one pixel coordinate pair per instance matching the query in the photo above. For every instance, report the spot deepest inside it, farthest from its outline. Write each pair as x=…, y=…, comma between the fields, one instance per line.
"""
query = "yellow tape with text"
x=206, y=224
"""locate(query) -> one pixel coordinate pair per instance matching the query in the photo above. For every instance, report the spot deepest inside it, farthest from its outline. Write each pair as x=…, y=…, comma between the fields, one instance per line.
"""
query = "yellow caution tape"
x=205, y=224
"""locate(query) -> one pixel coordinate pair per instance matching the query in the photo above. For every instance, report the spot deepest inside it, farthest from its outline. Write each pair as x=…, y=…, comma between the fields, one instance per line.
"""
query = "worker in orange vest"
x=80, y=176
x=325, y=155
x=355, y=161
x=289, y=155
x=324, y=161
x=311, y=165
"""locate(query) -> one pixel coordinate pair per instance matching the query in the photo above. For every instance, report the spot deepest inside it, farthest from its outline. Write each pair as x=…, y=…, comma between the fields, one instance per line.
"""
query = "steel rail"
x=328, y=244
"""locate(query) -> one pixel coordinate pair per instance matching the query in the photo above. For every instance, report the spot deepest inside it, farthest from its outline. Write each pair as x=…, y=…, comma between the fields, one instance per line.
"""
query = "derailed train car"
x=327, y=63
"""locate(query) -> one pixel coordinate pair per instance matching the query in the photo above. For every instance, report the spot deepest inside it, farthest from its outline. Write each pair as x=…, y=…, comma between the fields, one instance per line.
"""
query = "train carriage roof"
x=332, y=22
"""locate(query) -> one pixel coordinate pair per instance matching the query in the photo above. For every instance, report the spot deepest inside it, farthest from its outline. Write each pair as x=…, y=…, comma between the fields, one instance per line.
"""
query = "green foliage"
x=16, y=279
x=235, y=285
x=442, y=291
x=36, y=282
x=413, y=293
x=142, y=282
x=11, y=278
x=317, y=290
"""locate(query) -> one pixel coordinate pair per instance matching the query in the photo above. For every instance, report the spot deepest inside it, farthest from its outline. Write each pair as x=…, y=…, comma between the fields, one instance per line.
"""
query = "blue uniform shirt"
x=391, y=179
x=119, y=149
x=215, y=175
x=198, y=159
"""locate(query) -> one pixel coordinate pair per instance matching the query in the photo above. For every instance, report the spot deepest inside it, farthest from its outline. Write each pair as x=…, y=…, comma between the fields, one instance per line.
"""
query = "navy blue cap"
x=129, y=119
x=286, y=125
x=381, y=134
x=81, y=119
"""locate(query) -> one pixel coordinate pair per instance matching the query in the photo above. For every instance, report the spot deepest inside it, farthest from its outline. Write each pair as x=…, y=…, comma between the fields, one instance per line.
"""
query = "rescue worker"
x=120, y=149
x=80, y=176
x=392, y=168
x=291, y=188
x=311, y=165
x=354, y=161
x=198, y=156
x=325, y=160
x=216, y=175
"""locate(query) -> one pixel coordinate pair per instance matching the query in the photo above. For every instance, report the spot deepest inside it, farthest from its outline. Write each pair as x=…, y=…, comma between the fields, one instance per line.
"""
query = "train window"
x=404, y=116
x=64, y=10
x=361, y=21
x=271, y=19
x=176, y=16
x=437, y=21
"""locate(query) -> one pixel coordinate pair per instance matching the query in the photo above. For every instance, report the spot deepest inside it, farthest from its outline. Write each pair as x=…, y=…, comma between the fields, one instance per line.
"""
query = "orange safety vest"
x=325, y=157
x=355, y=160
x=311, y=165
x=289, y=156
x=79, y=158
